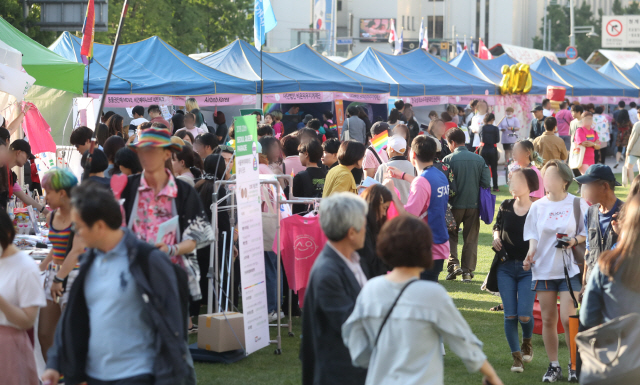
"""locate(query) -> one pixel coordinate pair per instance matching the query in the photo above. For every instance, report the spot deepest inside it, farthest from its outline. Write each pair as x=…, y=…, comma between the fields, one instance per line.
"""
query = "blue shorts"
x=557, y=285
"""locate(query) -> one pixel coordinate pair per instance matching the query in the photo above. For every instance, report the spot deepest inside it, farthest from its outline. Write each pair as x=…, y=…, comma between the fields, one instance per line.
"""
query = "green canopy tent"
x=50, y=69
x=58, y=80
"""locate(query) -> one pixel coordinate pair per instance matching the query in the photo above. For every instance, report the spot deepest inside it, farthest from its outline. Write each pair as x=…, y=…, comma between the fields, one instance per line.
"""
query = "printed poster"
x=251, y=250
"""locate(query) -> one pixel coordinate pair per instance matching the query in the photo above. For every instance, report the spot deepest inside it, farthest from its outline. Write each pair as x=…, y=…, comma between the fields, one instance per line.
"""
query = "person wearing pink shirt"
x=586, y=136
x=564, y=118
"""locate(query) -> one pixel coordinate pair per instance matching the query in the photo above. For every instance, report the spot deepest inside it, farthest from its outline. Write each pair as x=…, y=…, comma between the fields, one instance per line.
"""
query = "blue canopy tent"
x=581, y=69
x=630, y=76
x=335, y=77
x=491, y=70
x=434, y=76
x=579, y=81
x=242, y=59
x=369, y=63
x=151, y=67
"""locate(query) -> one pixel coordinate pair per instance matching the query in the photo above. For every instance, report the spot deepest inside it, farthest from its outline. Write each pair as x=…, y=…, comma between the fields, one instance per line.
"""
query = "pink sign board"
x=365, y=98
x=418, y=101
x=298, y=97
x=124, y=101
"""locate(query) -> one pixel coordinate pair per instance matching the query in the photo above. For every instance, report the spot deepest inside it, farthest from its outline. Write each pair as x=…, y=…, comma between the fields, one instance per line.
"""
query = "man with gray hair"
x=334, y=284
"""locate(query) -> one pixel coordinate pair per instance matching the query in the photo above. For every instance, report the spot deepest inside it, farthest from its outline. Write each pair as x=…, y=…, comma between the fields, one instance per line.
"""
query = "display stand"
x=214, y=278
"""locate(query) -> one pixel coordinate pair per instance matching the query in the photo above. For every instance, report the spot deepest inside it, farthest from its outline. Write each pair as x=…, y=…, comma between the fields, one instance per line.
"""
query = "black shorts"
x=507, y=146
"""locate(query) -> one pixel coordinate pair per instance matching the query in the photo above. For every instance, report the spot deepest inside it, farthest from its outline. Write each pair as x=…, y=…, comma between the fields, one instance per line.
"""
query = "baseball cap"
x=597, y=172
x=397, y=143
x=22, y=145
x=307, y=118
x=537, y=108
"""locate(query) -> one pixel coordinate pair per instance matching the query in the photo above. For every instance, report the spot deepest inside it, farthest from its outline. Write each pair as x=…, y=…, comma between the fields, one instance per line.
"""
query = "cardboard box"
x=215, y=331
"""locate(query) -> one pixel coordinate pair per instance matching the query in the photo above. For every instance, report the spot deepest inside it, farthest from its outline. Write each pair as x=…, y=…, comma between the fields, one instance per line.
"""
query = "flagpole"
x=89, y=77
x=87, y=166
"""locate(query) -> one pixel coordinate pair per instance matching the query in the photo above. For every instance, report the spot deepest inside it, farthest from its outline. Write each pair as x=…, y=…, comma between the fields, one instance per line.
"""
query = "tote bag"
x=487, y=203
x=611, y=352
x=576, y=157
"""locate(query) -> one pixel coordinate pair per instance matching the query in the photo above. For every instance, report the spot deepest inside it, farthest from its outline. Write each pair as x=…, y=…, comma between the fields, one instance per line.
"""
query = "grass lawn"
x=263, y=367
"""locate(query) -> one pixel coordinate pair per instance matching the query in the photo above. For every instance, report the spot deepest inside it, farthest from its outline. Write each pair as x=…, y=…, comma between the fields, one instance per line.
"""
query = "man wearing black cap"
x=537, y=124
x=18, y=155
x=598, y=188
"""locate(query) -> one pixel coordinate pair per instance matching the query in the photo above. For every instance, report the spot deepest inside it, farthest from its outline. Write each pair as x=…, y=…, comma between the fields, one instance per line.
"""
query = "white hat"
x=398, y=144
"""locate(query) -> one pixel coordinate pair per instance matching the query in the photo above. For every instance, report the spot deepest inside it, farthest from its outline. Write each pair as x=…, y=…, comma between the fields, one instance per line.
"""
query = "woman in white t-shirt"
x=549, y=218
x=21, y=295
x=190, y=126
x=477, y=122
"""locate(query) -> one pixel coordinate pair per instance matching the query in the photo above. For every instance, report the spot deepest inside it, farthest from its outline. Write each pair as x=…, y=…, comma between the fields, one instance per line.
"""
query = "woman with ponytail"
x=525, y=156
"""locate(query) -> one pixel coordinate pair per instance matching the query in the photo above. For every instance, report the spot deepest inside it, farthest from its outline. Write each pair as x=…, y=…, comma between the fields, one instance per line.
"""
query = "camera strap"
x=565, y=254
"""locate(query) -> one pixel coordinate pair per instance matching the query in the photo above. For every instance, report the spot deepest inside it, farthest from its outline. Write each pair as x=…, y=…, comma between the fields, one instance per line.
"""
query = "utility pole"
x=572, y=36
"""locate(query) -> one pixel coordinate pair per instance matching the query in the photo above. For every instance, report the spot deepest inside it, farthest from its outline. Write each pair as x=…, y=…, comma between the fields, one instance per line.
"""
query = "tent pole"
x=261, y=83
x=88, y=77
x=87, y=166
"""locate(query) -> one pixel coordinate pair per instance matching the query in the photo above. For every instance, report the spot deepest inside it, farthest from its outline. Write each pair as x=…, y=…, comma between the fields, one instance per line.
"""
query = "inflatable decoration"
x=516, y=79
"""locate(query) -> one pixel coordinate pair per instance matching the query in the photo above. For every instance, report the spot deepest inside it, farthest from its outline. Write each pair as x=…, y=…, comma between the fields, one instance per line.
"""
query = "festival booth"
x=626, y=89
x=422, y=79
x=315, y=85
x=629, y=76
x=57, y=80
x=152, y=72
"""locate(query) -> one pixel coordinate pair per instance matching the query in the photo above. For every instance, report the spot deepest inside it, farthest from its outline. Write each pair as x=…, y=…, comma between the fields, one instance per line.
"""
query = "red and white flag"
x=465, y=43
x=483, y=51
x=392, y=32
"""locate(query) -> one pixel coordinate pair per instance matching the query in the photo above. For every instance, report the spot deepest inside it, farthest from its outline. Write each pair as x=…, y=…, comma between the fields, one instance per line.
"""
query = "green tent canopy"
x=50, y=69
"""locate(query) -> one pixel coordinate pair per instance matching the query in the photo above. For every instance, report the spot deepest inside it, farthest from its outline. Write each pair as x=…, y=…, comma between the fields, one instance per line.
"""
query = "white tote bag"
x=576, y=156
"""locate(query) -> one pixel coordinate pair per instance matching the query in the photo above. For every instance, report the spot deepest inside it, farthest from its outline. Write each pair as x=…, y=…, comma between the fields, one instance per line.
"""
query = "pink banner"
x=365, y=98
x=418, y=101
x=123, y=101
x=298, y=97
x=466, y=99
x=605, y=99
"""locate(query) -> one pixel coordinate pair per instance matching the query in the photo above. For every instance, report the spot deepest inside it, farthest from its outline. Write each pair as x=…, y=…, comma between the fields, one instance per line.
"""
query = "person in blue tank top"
x=428, y=198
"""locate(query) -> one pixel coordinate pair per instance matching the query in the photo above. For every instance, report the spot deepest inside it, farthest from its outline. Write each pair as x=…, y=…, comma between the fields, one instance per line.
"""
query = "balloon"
x=513, y=78
x=504, y=83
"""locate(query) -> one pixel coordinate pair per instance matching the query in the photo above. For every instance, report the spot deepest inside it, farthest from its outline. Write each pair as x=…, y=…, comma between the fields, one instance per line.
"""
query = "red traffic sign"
x=571, y=52
x=614, y=28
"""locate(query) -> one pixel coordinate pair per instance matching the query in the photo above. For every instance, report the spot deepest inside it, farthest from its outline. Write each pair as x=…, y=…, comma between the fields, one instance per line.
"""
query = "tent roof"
x=631, y=75
x=151, y=66
x=622, y=59
x=497, y=62
x=575, y=86
x=522, y=54
x=304, y=59
x=602, y=83
x=48, y=68
x=242, y=59
x=467, y=62
x=418, y=73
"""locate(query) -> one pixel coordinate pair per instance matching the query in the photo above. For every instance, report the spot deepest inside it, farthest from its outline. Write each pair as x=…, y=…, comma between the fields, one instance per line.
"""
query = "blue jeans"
x=271, y=275
x=433, y=273
x=514, y=284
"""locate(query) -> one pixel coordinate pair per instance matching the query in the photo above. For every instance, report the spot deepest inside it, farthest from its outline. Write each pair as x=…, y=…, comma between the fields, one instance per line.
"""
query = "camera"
x=562, y=241
x=502, y=255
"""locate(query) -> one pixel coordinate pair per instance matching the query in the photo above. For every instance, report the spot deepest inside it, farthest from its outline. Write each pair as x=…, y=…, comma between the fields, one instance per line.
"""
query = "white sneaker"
x=554, y=373
x=273, y=316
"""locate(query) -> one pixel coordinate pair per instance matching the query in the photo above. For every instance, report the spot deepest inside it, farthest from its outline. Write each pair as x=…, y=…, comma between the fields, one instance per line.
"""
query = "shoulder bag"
x=346, y=134
x=384, y=321
x=576, y=155
x=610, y=352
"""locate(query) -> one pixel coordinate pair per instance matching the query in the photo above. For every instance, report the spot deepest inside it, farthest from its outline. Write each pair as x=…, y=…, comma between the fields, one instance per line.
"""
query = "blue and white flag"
x=421, y=37
x=458, y=47
x=473, y=50
x=264, y=20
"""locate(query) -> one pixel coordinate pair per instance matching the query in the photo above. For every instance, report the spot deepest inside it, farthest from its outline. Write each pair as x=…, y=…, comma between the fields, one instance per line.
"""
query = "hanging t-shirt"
x=301, y=240
x=476, y=124
x=546, y=219
x=20, y=283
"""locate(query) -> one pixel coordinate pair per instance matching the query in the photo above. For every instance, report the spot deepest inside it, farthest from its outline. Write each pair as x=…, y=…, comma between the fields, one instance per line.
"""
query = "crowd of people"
x=392, y=216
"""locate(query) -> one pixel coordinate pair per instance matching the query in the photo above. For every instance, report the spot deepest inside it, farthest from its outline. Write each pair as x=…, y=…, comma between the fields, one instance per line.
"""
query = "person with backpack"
x=125, y=321
x=373, y=158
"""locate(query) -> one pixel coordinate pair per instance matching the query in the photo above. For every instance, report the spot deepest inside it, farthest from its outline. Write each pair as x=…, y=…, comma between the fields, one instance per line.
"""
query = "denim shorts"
x=557, y=285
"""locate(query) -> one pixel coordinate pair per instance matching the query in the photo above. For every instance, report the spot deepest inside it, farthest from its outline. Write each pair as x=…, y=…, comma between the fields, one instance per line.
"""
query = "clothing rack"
x=214, y=268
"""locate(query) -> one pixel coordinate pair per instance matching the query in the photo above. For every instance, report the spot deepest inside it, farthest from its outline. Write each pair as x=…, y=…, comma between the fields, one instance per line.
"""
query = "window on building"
x=339, y=5
x=413, y=24
x=436, y=32
x=403, y=21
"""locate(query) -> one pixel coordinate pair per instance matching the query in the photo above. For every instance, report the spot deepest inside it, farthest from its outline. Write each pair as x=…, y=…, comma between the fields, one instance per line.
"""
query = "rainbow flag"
x=88, y=33
x=380, y=141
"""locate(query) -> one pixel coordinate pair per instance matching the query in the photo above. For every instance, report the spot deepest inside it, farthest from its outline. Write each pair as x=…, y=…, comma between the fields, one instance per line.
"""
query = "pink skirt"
x=17, y=362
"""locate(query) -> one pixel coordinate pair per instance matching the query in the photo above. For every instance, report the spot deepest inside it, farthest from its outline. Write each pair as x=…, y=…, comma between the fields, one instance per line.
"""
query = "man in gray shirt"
x=355, y=126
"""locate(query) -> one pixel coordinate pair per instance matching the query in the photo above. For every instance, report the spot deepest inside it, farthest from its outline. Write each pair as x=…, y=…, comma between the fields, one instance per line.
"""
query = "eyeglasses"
x=226, y=148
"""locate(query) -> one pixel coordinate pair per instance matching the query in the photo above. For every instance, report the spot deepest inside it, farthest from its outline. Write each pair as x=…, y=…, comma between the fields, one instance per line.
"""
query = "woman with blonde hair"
x=191, y=105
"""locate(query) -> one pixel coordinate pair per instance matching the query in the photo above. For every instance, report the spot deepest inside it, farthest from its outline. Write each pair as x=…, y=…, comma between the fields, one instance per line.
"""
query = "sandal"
x=497, y=308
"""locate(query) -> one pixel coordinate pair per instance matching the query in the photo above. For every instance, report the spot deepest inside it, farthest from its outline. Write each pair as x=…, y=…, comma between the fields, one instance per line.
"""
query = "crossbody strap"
x=370, y=148
x=576, y=213
x=391, y=310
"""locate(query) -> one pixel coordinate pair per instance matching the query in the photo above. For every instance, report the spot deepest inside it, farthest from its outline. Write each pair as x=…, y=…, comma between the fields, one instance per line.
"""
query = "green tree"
x=560, y=29
x=617, y=8
x=12, y=12
x=187, y=25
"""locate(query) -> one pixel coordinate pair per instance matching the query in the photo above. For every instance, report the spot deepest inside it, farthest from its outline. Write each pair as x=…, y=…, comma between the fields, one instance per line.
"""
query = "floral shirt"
x=153, y=210
x=601, y=125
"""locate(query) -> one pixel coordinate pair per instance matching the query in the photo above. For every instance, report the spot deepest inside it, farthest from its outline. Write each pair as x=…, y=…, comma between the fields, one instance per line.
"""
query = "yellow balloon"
x=524, y=76
x=528, y=84
x=513, y=81
x=504, y=83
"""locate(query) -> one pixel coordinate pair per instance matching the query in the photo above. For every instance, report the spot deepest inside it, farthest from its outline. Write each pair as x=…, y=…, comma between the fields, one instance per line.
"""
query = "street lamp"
x=589, y=30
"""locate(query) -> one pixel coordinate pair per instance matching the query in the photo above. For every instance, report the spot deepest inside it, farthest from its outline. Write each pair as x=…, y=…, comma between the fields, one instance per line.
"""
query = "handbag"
x=611, y=352
x=576, y=157
x=487, y=205
x=386, y=317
